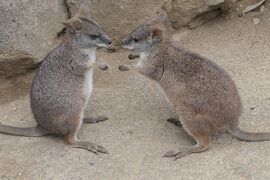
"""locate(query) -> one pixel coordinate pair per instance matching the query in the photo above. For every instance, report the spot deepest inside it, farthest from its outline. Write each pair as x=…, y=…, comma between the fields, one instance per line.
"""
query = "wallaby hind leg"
x=95, y=119
x=71, y=140
x=202, y=144
x=28, y=132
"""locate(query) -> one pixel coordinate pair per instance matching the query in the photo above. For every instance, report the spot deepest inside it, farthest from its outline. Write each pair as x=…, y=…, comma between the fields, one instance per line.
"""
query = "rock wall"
x=28, y=28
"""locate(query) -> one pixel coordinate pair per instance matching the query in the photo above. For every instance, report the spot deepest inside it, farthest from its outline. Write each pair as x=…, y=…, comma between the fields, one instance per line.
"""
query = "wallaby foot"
x=95, y=119
x=133, y=56
x=71, y=140
x=202, y=145
x=28, y=132
x=174, y=121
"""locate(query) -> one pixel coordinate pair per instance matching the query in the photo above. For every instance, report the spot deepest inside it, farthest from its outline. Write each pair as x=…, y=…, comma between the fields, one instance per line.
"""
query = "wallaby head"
x=146, y=36
x=87, y=32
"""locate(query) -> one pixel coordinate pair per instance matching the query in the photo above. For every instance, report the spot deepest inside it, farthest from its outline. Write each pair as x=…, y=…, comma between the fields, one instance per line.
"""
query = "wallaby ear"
x=156, y=33
x=74, y=24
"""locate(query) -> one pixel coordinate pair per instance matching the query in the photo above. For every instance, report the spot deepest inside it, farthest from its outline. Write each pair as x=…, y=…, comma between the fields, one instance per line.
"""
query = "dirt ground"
x=137, y=133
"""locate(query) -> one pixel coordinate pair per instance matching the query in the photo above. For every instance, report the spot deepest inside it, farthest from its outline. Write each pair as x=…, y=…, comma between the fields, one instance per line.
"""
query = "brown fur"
x=202, y=93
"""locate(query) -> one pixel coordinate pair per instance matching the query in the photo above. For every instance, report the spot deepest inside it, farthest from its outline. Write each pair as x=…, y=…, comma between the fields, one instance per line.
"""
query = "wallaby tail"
x=28, y=132
x=249, y=136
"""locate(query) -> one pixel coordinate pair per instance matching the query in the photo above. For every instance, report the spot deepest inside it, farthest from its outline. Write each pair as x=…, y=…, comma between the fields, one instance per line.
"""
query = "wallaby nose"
x=110, y=42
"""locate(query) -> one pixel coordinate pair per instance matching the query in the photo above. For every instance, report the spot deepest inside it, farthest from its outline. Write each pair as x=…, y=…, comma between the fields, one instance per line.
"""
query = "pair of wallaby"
x=202, y=93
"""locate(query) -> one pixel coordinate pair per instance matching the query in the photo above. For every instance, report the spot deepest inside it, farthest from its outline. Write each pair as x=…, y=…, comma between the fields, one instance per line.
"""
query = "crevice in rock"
x=13, y=65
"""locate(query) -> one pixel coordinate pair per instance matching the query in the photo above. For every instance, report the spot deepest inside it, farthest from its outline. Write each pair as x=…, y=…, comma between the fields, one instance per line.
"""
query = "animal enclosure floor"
x=137, y=133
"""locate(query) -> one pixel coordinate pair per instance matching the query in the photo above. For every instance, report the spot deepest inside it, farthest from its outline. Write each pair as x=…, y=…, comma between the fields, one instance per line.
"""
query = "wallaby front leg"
x=133, y=56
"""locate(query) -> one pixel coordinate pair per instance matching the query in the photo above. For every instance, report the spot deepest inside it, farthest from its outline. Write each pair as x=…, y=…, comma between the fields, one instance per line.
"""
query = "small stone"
x=20, y=174
x=252, y=108
x=256, y=20
x=92, y=163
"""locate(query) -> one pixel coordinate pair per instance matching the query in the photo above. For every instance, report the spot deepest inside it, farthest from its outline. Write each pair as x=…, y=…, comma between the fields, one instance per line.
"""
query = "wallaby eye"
x=93, y=36
x=136, y=40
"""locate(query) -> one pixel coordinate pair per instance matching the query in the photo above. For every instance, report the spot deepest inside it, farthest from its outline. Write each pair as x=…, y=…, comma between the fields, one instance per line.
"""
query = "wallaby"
x=64, y=82
x=202, y=93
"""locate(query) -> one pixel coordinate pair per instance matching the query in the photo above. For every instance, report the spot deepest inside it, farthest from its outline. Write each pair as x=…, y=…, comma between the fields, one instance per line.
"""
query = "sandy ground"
x=137, y=133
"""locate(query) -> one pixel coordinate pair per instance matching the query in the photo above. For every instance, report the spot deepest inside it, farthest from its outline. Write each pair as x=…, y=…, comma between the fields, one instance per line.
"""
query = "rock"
x=253, y=6
x=28, y=29
x=16, y=63
x=119, y=17
x=182, y=12
x=27, y=33
x=200, y=19
x=256, y=20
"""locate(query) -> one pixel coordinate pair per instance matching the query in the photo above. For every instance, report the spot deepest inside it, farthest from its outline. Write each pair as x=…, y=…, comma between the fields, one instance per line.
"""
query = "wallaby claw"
x=133, y=56
x=176, y=154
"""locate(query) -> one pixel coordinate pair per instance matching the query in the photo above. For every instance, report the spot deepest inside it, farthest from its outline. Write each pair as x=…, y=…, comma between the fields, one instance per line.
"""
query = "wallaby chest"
x=88, y=82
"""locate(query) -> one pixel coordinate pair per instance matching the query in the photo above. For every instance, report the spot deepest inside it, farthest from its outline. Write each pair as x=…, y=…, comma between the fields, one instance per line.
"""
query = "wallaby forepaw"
x=103, y=67
x=123, y=68
x=133, y=56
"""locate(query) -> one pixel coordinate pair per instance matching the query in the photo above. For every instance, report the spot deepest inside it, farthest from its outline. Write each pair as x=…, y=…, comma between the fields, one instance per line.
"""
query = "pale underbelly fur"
x=88, y=82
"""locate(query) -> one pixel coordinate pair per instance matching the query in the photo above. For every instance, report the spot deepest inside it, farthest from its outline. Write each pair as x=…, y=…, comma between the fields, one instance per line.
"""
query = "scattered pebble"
x=252, y=108
x=256, y=20
x=20, y=174
x=92, y=163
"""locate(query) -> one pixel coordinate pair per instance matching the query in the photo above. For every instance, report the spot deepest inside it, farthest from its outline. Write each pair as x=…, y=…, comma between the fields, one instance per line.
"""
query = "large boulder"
x=193, y=13
x=27, y=33
x=28, y=29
